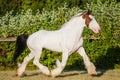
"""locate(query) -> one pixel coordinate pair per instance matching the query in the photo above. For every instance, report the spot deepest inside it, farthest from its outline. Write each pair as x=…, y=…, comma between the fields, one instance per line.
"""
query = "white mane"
x=77, y=15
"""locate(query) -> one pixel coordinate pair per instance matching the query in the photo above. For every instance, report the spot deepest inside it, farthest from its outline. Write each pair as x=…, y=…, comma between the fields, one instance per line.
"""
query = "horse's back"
x=36, y=38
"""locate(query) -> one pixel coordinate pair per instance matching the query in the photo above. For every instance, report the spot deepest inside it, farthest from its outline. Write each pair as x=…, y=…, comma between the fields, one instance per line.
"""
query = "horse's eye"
x=90, y=19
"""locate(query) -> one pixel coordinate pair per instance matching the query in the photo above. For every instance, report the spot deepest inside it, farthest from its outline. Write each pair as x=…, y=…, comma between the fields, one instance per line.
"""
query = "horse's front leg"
x=60, y=65
x=89, y=65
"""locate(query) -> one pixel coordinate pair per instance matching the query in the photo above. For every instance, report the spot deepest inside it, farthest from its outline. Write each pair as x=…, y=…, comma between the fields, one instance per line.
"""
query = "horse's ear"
x=89, y=11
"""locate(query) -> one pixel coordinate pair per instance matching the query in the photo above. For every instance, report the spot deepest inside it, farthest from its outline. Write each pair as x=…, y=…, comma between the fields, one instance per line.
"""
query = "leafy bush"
x=104, y=52
x=18, y=5
x=27, y=22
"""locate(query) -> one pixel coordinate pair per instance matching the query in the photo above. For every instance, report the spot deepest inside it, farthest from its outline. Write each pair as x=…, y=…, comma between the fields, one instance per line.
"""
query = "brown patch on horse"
x=87, y=18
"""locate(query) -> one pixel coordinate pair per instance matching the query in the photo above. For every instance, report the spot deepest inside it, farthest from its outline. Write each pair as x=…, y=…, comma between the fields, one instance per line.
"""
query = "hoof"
x=46, y=71
x=16, y=74
x=53, y=76
x=92, y=70
x=49, y=75
x=54, y=73
x=20, y=75
x=94, y=74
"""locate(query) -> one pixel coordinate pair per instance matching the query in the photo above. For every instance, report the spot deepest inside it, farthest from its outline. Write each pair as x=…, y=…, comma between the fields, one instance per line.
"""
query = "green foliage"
x=27, y=22
x=18, y=5
x=104, y=52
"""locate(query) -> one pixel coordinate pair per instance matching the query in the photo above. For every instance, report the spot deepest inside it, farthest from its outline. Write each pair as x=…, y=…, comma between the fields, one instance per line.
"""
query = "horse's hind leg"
x=60, y=65
x=43, y=68
x=22, y=67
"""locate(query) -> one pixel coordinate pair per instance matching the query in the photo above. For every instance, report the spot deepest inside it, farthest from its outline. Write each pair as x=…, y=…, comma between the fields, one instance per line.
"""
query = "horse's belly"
x=52, y=44
x=52, y=47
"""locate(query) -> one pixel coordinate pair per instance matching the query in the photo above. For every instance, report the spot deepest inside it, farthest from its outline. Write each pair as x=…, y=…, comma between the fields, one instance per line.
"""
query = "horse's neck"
x=74, y=27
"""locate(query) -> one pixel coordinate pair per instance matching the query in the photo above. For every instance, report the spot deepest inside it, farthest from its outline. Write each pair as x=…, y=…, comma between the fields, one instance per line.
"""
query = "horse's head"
x=91, y=22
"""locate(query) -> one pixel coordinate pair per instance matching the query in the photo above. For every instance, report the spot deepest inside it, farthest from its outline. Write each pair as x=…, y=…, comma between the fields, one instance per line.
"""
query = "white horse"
x=67, y=40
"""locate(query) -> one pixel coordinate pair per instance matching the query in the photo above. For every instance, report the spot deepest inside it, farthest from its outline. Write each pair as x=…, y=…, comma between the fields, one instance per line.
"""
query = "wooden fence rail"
x=12, y=39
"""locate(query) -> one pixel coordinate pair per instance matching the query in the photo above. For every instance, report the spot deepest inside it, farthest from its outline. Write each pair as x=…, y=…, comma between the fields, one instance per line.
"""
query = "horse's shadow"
x=109, y=60
x=66, y=75
x=30, y=74
x=74, y=73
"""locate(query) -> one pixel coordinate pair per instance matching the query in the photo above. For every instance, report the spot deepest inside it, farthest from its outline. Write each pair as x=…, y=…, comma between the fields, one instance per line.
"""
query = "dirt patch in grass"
x=65, y=75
